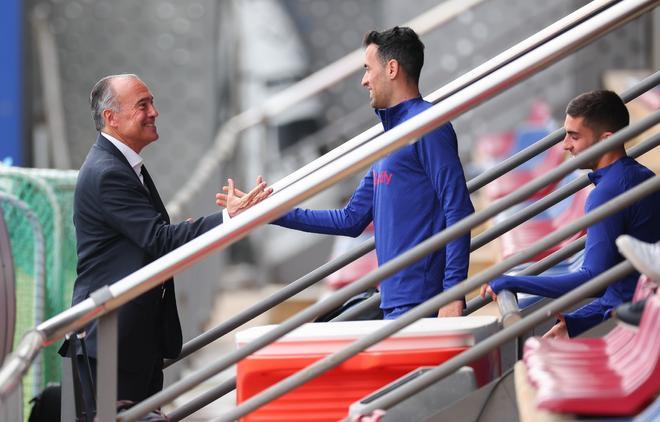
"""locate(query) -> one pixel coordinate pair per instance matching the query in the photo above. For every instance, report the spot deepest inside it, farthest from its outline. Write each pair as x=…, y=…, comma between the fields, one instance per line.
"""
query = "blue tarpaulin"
x=11, y=81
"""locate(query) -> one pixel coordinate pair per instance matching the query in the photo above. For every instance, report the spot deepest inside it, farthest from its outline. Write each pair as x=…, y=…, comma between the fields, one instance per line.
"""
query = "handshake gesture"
x=237, y=201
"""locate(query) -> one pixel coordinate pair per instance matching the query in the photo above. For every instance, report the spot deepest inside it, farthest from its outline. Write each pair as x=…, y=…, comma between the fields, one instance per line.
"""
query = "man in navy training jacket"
x=590, y=118
x=410, y=195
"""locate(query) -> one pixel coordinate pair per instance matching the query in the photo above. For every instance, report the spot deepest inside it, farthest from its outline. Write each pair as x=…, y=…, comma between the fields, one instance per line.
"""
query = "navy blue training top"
x=411, y=194
x=640, y=220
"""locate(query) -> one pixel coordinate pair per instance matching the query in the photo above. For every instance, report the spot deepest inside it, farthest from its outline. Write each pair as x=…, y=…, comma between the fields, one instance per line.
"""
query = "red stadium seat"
x=616, y=375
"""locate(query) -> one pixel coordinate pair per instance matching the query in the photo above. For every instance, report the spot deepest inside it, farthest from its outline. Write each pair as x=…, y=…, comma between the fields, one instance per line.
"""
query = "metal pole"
x=507, y=304
x=334, y=359
x=328, y=268
x=39, y=263
x=153, y=274
x=550, y=261
x=551, y=199
x=203, y=400
x=460, y=83
x=511, y=222
x=227, y=135
x=589, y=288
x=536, y=268
x=538, y=147
x=423, y=249
x=106, y=367
x=274, y=299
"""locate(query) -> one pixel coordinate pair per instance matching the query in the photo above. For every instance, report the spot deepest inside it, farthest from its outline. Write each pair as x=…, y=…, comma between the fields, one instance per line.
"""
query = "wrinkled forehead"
x=130, y=90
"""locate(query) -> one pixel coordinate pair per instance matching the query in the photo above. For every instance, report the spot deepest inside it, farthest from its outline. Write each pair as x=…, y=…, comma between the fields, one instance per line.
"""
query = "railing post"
x=508, y=304
x=67, y=399
x=106, y=370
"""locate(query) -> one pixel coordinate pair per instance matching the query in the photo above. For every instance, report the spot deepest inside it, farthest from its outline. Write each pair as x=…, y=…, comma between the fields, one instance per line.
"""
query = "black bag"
x=46, y=407
x=358, y=298
x=85, y=412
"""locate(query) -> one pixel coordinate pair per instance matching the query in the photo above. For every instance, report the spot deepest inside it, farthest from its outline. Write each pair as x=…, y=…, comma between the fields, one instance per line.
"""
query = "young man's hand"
x=487, y=290
x=559, y=330
x=452, y=309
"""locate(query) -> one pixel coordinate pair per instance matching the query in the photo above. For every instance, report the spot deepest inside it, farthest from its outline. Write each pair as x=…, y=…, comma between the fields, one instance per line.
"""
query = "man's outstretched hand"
x=237, y=201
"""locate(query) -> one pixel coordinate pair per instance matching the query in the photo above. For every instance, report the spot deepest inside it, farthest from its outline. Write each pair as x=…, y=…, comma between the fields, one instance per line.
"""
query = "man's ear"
x=605, y=135
x=108, y=117
x=392, y=69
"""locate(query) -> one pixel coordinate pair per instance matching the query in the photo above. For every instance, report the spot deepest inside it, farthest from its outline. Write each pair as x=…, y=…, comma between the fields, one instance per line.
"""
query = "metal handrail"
x=511, y=222
x=534, y=269
x=541, y=205
x=227, y=135
x=509, y=55
x=151, y=275
x=514, y=331
x=408, y=130
x=506, y=300
x=367, y=246
x=538, y=147
x=322, y=365
x=276, y=298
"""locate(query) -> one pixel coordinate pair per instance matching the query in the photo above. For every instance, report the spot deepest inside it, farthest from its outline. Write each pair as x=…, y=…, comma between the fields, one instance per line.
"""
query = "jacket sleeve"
x=127, y=208
x=348, y=221
x=546, y=286
x=587, y=317
x=600, y=254
x=438, y=154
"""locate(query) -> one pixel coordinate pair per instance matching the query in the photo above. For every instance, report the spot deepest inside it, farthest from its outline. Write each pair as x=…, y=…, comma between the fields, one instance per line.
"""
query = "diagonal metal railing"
x=508, y=306
x=473, y=185
x=151, y=275
x=433, y=243
x=534, y=41
x=475, y=93
x=227, y=136
x=588, y=289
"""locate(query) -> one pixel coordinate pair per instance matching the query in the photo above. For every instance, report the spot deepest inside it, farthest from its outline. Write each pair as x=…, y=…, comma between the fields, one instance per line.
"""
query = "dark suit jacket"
x=120, y=227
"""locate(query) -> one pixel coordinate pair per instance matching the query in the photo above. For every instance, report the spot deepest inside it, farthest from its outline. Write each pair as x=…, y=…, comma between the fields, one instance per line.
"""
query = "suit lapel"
x=148, y=186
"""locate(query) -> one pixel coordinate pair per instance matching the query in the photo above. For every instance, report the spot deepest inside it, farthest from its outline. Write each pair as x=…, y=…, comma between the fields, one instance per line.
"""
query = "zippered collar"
x=392, y=116
x=596, y=175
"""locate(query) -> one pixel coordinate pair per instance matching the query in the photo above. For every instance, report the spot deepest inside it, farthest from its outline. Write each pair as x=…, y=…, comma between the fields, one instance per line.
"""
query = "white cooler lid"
x=329, y=336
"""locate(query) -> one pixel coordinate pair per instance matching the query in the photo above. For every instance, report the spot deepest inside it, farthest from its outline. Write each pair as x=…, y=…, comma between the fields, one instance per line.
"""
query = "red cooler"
x=427, y=342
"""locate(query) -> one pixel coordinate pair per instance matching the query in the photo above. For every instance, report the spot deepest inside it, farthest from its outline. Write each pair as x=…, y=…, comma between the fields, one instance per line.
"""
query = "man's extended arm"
x=600, y=254
x=348, y=221
x=127, y=208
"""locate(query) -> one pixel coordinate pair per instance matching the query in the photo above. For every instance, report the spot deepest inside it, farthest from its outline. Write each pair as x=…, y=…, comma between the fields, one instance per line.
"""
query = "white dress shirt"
x=135, y=161
x=133, y=158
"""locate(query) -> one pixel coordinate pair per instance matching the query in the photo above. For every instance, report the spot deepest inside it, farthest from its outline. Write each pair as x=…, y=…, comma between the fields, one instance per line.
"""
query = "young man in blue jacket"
x=590, y=118
x=410, y=195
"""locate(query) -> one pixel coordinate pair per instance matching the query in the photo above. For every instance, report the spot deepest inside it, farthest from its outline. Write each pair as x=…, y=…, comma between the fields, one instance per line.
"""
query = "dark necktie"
x=153, y=192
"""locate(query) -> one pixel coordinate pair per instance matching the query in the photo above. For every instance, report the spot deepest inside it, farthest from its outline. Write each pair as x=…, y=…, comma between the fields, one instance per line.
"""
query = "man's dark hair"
x=603, y=111
x=401, y=44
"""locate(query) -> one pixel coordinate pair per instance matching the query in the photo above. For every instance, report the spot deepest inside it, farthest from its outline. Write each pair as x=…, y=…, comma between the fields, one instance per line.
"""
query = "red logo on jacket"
x=381, y=177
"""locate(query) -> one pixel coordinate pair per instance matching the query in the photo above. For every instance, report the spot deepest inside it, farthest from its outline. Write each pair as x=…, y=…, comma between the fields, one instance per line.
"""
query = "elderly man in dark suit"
x=122, y=225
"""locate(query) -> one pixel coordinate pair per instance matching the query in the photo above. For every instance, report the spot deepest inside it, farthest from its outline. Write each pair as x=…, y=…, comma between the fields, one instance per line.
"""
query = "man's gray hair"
x=103, y=97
